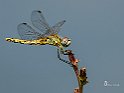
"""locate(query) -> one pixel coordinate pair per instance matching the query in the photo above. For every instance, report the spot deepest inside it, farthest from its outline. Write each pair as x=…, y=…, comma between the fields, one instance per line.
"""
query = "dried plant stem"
x=79, y=86
x=81, y=89
x=80, y=74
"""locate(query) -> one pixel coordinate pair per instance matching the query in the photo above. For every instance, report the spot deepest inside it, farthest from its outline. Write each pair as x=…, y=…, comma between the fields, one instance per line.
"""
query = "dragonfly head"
x=65, y=42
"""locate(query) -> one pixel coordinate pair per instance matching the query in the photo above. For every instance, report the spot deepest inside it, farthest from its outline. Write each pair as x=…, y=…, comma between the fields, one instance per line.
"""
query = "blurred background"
x=96, y=28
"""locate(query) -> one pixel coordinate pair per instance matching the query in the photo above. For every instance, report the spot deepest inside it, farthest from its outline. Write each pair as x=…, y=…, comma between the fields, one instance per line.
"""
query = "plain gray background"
x=96, y=28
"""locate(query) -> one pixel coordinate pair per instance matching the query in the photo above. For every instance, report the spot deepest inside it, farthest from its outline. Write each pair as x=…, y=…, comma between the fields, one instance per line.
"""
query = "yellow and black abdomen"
x=42, y=41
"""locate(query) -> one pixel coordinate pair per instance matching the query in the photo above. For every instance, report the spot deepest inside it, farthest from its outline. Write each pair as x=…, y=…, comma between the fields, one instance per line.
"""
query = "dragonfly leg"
x=62, y=51
x=65, y=61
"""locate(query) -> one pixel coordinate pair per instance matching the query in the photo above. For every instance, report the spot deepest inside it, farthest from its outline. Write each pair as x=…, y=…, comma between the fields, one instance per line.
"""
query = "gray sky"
x=96, y=28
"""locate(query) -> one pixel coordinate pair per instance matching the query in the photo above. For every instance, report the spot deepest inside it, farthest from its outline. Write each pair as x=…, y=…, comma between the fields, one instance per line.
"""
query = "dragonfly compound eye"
x=66, y=42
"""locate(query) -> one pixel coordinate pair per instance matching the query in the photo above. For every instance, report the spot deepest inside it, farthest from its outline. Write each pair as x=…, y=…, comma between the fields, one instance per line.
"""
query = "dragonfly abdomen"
x=15, y=40
x=29, y=42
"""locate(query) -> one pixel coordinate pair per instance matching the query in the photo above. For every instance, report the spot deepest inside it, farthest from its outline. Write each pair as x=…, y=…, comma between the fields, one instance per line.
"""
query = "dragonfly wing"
x=39, y=22
x=56, y=28
x=27, y=32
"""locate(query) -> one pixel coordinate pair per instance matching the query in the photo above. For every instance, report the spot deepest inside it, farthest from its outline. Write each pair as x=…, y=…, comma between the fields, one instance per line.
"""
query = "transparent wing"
x=27, y=32
x=39, y=22
x=56, y=28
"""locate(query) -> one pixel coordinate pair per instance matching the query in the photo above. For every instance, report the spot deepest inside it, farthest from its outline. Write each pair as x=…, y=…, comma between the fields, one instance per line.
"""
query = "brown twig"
x=80, y=74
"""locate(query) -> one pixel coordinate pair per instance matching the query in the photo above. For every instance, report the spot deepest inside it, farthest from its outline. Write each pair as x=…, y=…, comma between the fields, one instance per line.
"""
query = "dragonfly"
x=49, y=35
